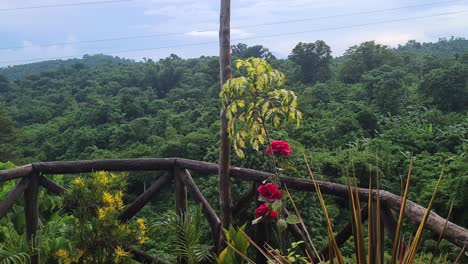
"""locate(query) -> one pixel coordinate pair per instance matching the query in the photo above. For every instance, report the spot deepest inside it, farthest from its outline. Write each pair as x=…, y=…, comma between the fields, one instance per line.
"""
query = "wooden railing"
x=31, y=177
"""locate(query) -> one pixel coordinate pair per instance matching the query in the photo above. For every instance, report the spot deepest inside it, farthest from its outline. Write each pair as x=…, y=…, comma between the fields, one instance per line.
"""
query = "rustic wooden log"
x=225, y=199
x=12, y=196
x=16, y=173
x=81, y=166
x=210, y=214
x=245, y=200
x=51, y=185
x=180, y=200
x=180, y=191
x=31, y=211
x=345, y=233
x=145, y=198
x=453, y=233
x=144, y=257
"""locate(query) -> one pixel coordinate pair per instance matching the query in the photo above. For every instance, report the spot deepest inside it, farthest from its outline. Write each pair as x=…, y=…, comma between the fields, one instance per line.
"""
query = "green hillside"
x=373, y=103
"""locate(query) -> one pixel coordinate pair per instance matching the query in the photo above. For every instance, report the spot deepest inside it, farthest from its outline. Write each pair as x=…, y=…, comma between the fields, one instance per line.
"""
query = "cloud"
x=197, y=21
x=29, y=53
x=211, y=33
x=235, y=33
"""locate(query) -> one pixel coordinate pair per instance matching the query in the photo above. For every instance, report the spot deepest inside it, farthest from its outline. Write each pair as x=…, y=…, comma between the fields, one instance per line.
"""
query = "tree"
x=384, y=87
x=447, y=87
x=7, y=136
x=365, y=57
x=4, y=85
x=242, y=51
x=314, y=60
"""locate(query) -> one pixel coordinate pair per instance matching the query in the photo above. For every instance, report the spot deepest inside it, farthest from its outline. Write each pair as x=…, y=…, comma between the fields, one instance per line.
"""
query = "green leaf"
x=281, y=225
x=288, y=166
x=276, y=121
x=276, y=206
x=293, y=219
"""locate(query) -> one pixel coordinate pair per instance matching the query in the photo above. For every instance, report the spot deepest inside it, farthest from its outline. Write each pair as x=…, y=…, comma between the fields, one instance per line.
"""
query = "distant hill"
x=88, y=61
x=442, y=48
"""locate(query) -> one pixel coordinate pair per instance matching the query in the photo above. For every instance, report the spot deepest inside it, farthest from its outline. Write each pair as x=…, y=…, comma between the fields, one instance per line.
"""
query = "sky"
x=189, y=28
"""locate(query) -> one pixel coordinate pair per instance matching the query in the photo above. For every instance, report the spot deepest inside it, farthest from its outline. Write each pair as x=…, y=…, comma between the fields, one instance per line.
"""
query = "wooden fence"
x=31, y=177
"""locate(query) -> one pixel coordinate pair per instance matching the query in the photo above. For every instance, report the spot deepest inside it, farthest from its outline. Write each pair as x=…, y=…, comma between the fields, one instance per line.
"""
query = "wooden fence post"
x=181, y=198
x=225, y=199
x=31, y=210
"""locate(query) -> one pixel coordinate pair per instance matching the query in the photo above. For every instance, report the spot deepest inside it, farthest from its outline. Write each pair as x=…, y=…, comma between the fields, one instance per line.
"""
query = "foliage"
x=384, y=86
x=314, y=60
x=7, y=136
x=238, y=245
x=363, y=58
x=188, y=231
x=97, y=236
x=254, y=101
x=242, y=51
x=168, y=107
x=447, y=87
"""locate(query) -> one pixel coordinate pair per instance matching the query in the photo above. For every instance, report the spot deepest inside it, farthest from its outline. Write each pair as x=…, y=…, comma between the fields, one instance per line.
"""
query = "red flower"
x=263, y=210
x=279, y=147
x=270, y=192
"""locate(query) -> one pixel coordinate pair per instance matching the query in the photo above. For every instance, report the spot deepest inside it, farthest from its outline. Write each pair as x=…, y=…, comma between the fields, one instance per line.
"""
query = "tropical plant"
x=237, y=246
x=254, y=101
x=188, y=231
x=97, y=236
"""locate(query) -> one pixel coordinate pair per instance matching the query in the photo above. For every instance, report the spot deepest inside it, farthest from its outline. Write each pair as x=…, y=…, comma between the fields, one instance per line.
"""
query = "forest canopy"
x=374, y=101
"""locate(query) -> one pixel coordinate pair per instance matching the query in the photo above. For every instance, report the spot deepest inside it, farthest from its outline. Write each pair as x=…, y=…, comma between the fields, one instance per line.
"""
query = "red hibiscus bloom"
x=263, y=210
x=279, y=147
x=270, y=192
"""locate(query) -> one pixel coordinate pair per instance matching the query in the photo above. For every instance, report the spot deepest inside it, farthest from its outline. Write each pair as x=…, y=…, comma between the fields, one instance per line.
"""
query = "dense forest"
x=374, y=104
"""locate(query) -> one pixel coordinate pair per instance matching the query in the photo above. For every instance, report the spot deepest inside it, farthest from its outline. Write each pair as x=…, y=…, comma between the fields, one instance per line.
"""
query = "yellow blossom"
x=79, y=254
x=102, y=212
x=61, y=253
x=119, y=254
x=118, y=200
x=102, y=178
x=78, y=182
x=107, y=198
x=143, y=230
x=140, y=222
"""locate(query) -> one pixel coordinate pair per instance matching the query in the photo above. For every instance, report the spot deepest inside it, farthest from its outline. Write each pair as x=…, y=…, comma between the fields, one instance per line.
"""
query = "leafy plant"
x=188, y=230
x=253, y=101
x=237, y=245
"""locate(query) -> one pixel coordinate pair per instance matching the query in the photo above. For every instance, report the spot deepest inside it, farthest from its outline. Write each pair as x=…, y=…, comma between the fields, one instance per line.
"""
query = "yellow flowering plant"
x=97, y=201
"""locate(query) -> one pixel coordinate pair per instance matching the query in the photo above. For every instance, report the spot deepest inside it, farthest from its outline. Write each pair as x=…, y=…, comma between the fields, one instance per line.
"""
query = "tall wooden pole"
x=225, y=74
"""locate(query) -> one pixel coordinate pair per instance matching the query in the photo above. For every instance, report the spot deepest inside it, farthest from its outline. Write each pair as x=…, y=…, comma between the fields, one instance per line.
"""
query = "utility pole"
x=225, y=147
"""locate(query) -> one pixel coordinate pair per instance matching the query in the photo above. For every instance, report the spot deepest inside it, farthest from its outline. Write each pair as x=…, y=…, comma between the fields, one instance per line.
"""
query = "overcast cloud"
x=197, y=22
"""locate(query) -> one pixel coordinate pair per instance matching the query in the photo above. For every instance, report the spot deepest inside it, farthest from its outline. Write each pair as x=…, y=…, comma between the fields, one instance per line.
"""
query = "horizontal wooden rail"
x=16, y=173
x=81, y=166
x=453, y=233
